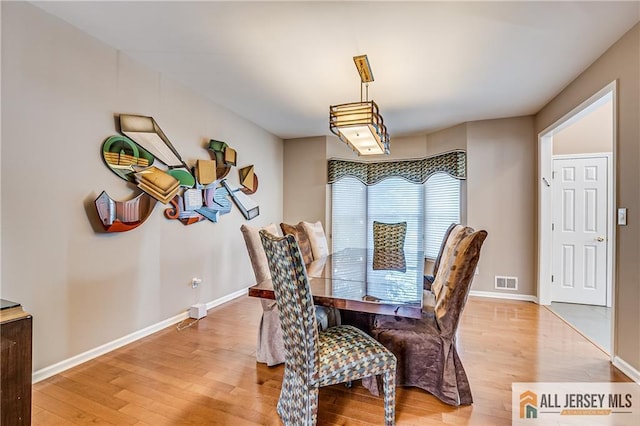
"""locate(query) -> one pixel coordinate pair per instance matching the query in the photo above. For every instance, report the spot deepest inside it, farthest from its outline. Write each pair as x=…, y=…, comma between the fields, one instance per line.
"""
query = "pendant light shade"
x=359, y=124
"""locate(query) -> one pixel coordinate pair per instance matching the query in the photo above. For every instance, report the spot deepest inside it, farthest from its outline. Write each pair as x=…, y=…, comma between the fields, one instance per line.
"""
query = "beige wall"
x=60, y=91
x=593, y=133
x=447, y=139
x=501, y=199
x=305, y=179
x=621, y=63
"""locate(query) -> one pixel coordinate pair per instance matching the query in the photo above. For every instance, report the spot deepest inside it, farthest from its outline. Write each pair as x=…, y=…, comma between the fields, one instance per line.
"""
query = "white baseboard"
x=496, y=295
x=627, y=369
x=66, y=364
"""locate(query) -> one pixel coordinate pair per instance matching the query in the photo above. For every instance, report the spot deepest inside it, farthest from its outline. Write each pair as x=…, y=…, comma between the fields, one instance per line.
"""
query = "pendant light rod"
x=362, y=99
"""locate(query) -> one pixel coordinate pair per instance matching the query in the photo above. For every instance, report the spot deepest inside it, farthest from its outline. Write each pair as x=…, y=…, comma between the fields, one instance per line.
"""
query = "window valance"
x=416, y=170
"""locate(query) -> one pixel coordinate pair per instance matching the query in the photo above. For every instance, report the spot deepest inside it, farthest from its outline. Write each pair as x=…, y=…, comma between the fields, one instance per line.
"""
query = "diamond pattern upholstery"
x=314, y=359
x=389, y=236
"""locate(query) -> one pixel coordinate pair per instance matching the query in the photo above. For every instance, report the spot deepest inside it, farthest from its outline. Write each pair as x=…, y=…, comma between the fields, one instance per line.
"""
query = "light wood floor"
x=207, y=374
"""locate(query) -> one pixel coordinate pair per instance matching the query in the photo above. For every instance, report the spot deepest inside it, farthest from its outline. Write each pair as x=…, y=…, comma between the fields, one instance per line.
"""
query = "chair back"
x=454, y=227
x=455, y=235
x=454, y=280
x=295, y=304
x=317, y=238
x=389, y=236
x=256, y=253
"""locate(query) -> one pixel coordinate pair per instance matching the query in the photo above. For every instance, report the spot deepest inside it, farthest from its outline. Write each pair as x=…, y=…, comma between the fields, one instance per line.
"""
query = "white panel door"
x=579, y=265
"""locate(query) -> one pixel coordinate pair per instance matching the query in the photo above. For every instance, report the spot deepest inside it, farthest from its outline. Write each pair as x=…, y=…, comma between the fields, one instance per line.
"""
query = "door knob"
x=600, y=239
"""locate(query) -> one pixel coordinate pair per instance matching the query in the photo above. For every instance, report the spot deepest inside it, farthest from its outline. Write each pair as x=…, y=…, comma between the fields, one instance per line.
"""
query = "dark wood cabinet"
x=15, y=365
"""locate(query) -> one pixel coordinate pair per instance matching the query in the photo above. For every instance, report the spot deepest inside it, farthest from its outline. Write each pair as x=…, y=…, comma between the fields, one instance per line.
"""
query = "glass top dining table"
x=386, y=282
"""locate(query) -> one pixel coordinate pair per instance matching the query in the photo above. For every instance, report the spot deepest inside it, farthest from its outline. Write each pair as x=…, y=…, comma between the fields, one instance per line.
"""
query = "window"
x=348, y=214
x=442, y=208
x=397, y=200
x=427, y=208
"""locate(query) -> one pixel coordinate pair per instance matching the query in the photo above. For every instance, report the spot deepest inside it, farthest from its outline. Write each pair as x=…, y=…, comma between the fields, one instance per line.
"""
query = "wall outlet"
x=195, y=282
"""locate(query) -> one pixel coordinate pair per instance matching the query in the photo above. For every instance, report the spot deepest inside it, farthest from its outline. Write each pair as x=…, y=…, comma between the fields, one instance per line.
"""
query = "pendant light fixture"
x=360, y=124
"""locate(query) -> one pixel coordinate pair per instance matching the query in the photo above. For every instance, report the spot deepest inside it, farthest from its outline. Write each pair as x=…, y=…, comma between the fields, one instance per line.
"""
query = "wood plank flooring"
x=207, y=374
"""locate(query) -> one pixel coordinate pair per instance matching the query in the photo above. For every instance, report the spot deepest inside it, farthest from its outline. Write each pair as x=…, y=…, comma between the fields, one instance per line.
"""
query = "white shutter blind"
x=396, y=200
x=442, y=208
x=349, y=214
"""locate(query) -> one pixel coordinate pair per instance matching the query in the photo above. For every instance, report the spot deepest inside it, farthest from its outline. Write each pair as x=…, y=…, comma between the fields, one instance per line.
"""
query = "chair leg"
x=295, y=405
x=312, y=407
x=389, y=385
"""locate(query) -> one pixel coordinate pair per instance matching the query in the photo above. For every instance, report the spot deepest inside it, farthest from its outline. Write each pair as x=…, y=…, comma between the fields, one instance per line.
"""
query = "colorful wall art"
x=143, y=156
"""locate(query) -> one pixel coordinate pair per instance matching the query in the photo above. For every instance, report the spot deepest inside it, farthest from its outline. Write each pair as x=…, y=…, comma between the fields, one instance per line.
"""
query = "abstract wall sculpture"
x=121, y=216
x=248, y=180
x=192, y=194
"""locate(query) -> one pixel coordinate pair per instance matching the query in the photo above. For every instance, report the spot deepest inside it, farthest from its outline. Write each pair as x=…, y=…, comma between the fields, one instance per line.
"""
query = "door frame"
x=545, y=169
x=609, y=208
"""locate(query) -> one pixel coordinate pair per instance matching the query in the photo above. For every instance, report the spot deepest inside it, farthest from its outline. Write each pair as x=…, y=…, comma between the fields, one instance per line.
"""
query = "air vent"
x=506, y=283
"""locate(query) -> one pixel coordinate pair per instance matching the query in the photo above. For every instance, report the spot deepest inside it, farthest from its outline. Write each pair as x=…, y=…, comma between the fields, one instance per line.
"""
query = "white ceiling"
x=436, y=64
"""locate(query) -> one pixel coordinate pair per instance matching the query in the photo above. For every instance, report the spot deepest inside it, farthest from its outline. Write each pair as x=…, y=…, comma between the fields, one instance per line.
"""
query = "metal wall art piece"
x=121, y=216
x=120, y=153
x=246, y=205
x=192, y=194
x=248, y=180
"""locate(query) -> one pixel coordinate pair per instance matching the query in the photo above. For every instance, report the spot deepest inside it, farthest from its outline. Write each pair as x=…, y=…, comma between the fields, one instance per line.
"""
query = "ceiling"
x=436, y=64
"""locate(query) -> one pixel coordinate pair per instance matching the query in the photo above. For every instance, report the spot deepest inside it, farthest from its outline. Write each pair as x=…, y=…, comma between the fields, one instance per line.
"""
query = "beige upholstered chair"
x=270, y=348
x=301, y=235
x=315, y=359
x=317, y=239
x=320, y=249
x=426, y=347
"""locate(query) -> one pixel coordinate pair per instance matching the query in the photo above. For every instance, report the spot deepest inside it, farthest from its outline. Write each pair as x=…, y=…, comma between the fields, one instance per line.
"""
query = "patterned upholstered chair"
x=313, y=246
x=389, y=236
x=426, y=347
x=270, y=347
x=314, y=358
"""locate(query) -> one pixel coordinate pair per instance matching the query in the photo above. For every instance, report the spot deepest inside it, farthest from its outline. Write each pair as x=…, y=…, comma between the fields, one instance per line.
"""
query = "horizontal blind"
x=396, y=200
x=348, y=214
x=428, y=209
x=442, y=208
